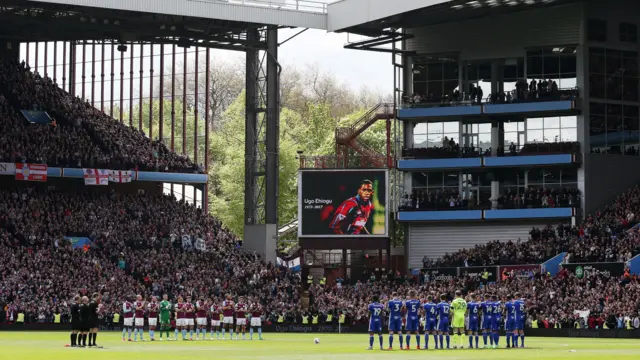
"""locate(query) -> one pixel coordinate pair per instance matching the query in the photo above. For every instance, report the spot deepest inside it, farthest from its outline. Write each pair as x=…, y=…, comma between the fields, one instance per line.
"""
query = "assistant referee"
x=75, y=320
x=85, y=319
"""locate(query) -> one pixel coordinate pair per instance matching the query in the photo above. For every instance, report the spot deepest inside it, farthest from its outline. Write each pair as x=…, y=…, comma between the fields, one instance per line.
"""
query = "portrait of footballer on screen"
x=346, y=204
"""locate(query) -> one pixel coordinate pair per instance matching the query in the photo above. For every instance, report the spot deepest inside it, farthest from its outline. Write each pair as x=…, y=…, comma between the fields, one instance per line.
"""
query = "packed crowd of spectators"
x=79, y=136
x=137, y=249
x=453, y=150
x=535, y=90
x=536, y=197
x=446, y=199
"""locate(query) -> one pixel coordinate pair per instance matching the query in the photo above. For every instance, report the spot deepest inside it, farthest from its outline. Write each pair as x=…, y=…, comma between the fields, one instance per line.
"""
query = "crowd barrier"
x=363, y=329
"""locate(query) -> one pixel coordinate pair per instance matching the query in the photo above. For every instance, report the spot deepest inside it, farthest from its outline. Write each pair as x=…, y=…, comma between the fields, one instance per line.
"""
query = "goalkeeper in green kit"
x=165, y=316
x=459, y=309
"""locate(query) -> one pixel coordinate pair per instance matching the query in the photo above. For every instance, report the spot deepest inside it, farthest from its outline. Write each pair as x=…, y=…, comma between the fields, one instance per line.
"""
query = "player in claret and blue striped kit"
x=375, y=321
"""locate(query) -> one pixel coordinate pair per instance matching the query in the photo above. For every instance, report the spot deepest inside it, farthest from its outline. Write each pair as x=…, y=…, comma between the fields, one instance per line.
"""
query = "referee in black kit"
x=85, y=318
x=93, y=319
x=75, y=320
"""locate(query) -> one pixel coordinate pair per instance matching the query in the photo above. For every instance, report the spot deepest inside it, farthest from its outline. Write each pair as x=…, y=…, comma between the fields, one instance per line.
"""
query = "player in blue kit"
x=431, y=321
x=395, y=307
x=473, y=310
x=375, y=321
x=487, y=320
x=413, y=318
x=443, y=310
x=497, y=320
x=519, y=310
x=509, y=324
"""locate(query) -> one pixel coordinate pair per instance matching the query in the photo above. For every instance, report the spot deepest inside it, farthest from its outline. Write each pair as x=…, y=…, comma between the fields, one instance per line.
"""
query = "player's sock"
x=124, y=332
x=497, y=340
x=391, y=340
x=161, y=331
x=441, y=338
x=462, y=336
x=508, y=336
x=379, y=338
x=426, y=340
x=135, y=334
x=84, y=340
x=244, y=335
x=477, y=340
x=408, y=340
x=184, y=334
x=223, y=333
x=484, y=338
x=142, y=334
x=521, y=339
x=370, y=340
x=455, y=339
x=260, y=335
x=95, y=336
x=175, y=334
x=471, y=340
x=152, y=334
x=514, y=342
x=197, y=333
x=418, y=339
x=251, y=334
x=231, y=333
x=73, y=339
x=491, y=338
x=436, y=337
x=448, y=338
x=400, y=339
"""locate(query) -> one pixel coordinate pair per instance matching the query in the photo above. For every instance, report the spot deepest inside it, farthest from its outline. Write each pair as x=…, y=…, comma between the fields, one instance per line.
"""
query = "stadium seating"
x=80, y=136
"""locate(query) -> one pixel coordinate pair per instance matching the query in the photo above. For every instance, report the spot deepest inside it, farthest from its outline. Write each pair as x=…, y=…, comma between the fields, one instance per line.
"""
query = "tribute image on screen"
x=343, y=203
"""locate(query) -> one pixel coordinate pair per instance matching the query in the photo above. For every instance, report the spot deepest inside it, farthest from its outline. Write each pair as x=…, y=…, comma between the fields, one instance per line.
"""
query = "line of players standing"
x=189, y=315
x=439, y=320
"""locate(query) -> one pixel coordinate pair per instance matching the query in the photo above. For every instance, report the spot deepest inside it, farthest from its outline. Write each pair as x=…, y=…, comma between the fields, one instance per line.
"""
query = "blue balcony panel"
x=54, y=172
x=172, y=177
x=541, y=106
x=528, y=213
x=456, y=163
x=440, y=215
x=439, y=111
x=528, y=160
x=73, y=173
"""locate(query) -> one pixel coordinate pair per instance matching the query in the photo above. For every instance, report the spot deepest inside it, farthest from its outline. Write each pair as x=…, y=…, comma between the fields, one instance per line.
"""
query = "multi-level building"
x=515, y=113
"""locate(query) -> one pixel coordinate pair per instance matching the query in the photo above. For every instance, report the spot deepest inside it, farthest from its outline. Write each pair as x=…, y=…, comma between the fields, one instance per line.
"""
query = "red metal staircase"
x=347, y=137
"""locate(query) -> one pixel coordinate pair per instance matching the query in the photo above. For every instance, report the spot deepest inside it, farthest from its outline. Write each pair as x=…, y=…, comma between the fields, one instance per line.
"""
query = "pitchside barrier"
x=363, y=329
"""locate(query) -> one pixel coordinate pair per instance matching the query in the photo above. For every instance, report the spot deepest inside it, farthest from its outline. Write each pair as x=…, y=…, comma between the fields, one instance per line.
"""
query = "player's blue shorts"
x=431, y=325
x=413, y=324
x=496, y=324
x=443, y=324
x=519, y=324
x=375, y=326
x=473, y=324
x=510, y=324
x=395, y=324
x=486, y=322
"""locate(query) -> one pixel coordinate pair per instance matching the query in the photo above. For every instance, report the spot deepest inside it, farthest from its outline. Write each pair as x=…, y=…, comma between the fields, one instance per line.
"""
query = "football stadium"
x=190, y=179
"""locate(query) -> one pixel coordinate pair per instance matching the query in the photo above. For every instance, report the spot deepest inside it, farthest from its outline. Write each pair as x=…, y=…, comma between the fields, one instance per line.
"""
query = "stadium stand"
x=79, y=136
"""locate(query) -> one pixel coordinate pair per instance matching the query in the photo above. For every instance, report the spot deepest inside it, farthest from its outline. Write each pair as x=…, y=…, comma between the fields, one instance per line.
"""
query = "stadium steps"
x=305, y=300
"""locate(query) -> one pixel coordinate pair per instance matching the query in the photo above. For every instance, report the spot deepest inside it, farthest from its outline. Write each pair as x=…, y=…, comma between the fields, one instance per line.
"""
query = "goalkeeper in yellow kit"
x=459, y=309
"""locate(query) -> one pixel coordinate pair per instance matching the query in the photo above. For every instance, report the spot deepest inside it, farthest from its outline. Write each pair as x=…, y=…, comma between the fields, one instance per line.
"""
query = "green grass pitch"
x=50, y=346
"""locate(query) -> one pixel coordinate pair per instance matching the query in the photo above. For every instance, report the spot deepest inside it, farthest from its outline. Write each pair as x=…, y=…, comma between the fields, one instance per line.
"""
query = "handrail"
x=317, y=6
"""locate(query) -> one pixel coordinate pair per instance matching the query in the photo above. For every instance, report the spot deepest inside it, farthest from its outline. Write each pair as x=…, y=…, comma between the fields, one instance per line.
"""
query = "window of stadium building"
x=613, y=74
x=435, y=78
x=553, y=65
x=614, y=128
x=434, y=135
x=628, y=32
x=436, y=181
x=553, y=178
x=514, y=133
x=552, y=129
x=476, y=135
x=512, y=72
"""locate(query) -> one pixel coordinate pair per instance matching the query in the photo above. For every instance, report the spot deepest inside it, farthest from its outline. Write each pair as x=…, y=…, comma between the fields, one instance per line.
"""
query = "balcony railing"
x=334, y=162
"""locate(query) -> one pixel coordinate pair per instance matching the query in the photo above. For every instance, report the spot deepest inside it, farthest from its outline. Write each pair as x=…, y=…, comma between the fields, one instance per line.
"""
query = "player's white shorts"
x=181, y=322
x=241, y=321
x=202, y=321
x=139, y=322
x=190, y=322
x=153, y=321
x=228, y=320
x=215, y=323
x=128, y=322
x=256, y=322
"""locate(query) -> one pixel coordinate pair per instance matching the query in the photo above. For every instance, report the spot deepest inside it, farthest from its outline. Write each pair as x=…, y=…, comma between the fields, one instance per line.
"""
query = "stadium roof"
x=372, y=17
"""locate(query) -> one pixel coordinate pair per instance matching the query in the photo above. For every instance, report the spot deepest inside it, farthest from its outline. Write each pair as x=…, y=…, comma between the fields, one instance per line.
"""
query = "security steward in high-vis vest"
x=314, y=319
x=281, y=319
x=305, y=319
x=20, y=319
x=323, y=280
x=342, y=319
x=116, y=318
x=534, y=324
x=56, y=318
x=329, y=319
x=309, y=279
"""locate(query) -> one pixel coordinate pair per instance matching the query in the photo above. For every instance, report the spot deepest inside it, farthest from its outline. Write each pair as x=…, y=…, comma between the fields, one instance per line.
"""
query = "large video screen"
x=341, y=203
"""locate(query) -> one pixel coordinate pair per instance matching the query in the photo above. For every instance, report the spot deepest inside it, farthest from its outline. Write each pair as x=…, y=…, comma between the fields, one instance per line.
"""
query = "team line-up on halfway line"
x=443, y=318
